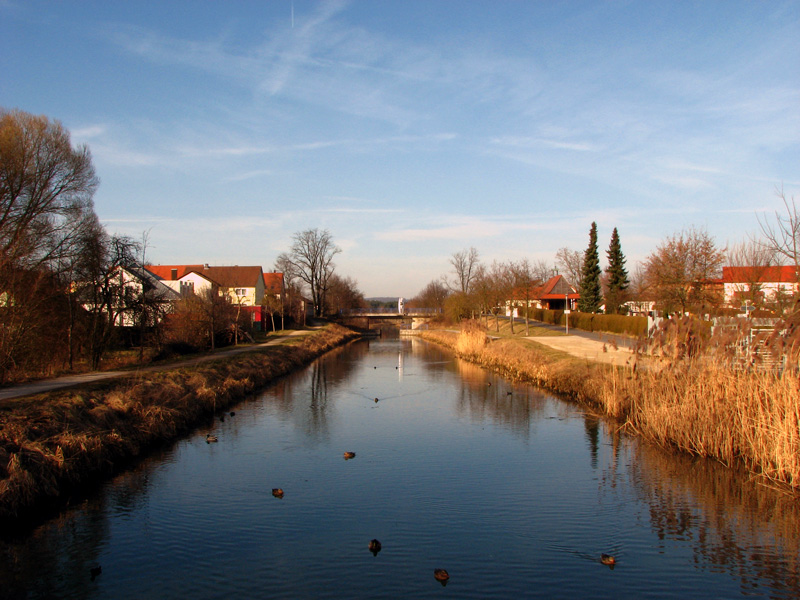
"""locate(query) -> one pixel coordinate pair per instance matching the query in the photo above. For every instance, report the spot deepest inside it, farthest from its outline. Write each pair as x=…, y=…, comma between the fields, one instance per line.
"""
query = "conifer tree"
x=617, y=275
x=591, y=296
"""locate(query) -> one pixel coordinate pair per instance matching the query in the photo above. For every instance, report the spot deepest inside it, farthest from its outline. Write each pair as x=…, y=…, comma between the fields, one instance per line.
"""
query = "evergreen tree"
x=617, y=275
x=591, y=296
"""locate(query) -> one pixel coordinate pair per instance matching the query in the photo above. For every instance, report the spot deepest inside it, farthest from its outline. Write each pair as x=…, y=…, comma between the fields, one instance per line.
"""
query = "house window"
x=240, y=292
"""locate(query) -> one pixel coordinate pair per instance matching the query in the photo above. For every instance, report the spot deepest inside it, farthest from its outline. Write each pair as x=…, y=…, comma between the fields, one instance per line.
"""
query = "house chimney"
x=174, y=274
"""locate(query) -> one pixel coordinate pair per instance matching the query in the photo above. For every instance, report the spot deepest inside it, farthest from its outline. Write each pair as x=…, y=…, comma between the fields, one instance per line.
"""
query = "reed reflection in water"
x=513, y=492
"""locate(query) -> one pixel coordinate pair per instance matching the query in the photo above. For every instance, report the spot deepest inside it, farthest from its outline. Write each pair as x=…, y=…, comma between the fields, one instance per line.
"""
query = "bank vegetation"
x=690, y=392
x=53, y=444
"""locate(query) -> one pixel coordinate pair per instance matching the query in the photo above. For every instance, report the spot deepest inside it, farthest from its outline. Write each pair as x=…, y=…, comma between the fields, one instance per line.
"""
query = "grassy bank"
x=53, y=443
x=698, y=406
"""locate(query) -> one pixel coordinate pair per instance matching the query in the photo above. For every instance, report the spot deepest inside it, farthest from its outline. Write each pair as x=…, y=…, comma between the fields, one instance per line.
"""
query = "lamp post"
x=566, y=311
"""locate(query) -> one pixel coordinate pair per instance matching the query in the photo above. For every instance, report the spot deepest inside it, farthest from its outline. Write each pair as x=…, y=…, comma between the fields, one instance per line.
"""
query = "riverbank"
x=693, y=406
x=52, y=444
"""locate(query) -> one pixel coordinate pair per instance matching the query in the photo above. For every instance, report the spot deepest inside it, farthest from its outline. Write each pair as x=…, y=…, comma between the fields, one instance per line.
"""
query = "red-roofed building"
x=554, y=294
x=243, y=285
x=275, y=285
x=759, y=284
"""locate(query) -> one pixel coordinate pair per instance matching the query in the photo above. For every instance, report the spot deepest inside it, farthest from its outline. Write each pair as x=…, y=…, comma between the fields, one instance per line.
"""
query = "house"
x=558, y=294
x=758, y=284
x=243, y=285
x=127, y=292
x=274, y=285
x=554, y=294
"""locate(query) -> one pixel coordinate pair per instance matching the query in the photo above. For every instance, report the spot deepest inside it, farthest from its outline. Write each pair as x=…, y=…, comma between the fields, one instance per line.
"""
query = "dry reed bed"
x=697, y=406
x=52, y=443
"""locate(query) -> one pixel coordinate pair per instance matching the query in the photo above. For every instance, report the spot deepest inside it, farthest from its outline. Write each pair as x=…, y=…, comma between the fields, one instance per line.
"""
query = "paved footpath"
x=590, y=349
x=47, y=385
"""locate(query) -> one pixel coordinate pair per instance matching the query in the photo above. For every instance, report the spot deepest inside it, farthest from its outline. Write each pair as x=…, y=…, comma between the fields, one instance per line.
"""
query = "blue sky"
x=414, y=129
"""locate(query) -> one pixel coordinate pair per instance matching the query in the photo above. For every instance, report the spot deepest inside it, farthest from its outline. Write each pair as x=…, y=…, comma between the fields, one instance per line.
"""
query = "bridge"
x=409, y=318
x=383, y=313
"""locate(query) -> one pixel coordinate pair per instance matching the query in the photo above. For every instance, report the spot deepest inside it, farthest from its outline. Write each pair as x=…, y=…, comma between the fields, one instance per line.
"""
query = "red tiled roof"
x=273, y=283
x=785, y=274
x=549, y=290
x=165, y=271
x=224, y=276
x=234, y=276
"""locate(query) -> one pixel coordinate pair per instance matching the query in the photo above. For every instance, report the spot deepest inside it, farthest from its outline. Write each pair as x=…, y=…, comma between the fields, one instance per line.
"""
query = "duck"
x=607, y=559
x=233, y=412
x=277, y=492
x=376, y=400
x=95, y=571
x=441, y=576
x=374, y=547
x=211, y=438
x=349, y=455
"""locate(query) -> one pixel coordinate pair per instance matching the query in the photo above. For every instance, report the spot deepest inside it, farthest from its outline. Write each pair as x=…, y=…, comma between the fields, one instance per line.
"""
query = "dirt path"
x=47, y=385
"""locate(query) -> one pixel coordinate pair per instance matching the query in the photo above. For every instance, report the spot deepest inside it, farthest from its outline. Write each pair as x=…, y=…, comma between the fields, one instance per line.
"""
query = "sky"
x=414, y=129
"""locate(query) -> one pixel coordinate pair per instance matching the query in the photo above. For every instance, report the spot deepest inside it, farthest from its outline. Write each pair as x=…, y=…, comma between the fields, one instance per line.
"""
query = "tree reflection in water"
x=732, y=522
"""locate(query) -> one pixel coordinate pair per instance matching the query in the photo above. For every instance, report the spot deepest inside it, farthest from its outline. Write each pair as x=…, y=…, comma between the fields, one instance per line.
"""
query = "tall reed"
x=690, y=397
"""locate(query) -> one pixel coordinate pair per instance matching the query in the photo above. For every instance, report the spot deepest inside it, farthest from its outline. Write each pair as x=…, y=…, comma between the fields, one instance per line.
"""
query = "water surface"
x=512, y=491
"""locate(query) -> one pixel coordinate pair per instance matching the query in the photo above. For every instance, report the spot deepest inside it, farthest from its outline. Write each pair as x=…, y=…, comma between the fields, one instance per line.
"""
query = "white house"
x=767, y=284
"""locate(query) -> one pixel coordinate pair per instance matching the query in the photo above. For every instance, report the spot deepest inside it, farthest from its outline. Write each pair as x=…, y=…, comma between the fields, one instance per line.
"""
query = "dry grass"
x=54, y=442
x=712, y=411
x=691, y=402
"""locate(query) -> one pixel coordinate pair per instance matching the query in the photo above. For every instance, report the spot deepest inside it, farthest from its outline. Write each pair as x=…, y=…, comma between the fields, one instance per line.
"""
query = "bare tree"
x=680, y=269
x=465, y=264
x=104, y=291
x=482, y=292
x=46, y=188
x=570, y=263
x=343, y=293
x=311, y=260
x=432, y=295
x=754, y=259
x=541, y=270
x=499, y=289
x=524, y=276
x=783, y=235
x=274, y=304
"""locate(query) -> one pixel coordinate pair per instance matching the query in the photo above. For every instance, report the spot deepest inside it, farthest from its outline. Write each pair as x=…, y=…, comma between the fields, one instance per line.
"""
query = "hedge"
x=635, y=326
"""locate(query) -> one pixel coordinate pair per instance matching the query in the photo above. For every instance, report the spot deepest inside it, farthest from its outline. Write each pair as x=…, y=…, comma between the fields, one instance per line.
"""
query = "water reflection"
x=732, y=523
x=517, y=494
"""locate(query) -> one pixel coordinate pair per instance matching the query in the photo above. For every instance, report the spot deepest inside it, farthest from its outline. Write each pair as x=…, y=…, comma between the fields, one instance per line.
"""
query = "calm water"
x=514, y=492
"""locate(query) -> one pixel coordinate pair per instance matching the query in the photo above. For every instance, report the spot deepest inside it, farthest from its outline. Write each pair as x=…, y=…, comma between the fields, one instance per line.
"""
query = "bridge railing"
x=411, y=312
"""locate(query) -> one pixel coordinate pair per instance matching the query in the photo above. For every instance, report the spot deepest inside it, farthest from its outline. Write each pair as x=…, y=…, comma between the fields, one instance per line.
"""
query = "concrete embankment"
x=54, y=443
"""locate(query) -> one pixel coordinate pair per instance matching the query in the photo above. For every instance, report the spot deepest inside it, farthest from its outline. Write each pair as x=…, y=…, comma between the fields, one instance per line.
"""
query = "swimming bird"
x=349, y=455
x=277, y=492
x=95, y=571
x=211, y=438
x=222, y=418
x=233, y=413
x=607, y=559
x=441, y=576
x=376, y=400
x=374, y=547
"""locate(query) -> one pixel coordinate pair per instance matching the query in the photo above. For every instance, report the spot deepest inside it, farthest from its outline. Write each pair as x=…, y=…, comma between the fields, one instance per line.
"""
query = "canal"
x=515, y=493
